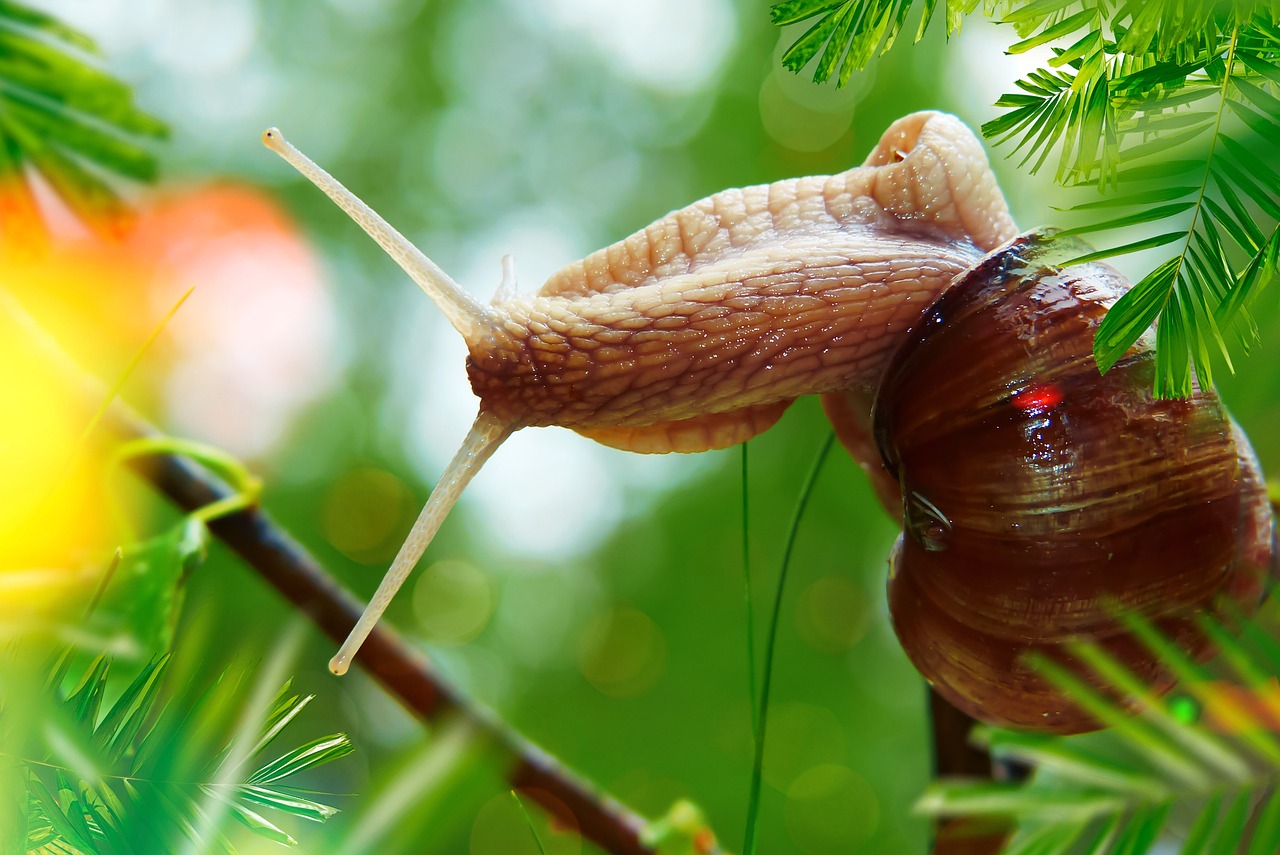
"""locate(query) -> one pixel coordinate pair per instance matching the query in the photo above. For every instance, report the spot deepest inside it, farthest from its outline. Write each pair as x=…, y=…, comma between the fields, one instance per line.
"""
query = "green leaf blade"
x=1133, y=314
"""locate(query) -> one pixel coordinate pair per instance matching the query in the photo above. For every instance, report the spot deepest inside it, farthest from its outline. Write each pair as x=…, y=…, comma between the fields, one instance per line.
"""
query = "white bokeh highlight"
x=547, y=492
x=673, y=45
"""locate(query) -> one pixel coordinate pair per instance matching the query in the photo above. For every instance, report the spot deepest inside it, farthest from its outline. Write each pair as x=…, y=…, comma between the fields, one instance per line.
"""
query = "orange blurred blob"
x=245, y=352
x=1236, y=709
x=249, y=347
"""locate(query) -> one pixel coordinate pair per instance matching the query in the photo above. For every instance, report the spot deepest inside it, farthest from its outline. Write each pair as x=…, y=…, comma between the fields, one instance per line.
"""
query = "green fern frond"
x=105, y=781
x=1063, y=109
x=847, y=34
x=1226, y=257
x=1134, y=95
x=1209, y=752
x=66, y=118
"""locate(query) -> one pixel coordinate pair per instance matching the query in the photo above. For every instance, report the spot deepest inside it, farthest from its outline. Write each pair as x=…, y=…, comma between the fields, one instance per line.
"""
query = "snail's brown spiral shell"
x=1039, y=498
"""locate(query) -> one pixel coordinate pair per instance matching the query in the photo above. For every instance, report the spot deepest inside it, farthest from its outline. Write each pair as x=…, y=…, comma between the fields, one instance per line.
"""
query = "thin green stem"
x=746, y=588
x=753, y=802
x=124, y=376
x=529, y=821
x=246, y=485
x=107, y=576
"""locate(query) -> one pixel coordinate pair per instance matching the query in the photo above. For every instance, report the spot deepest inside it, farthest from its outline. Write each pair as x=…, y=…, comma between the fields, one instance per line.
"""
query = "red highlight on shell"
x=1038, y=399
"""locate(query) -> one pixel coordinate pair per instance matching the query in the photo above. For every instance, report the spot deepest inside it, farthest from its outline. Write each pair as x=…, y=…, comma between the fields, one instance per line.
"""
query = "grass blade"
x=753, y=799
x=750, y=609
x=529, y=821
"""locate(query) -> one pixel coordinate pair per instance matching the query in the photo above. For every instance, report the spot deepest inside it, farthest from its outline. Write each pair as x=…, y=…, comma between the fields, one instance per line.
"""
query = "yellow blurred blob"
x=502, y=828
x=249, y=348
x=831, y=810
x=832, y=614
x=362, y=514
x=801, y=736
x=622, y=653
x=646, y=791
x=51, y=513
x=453, y=601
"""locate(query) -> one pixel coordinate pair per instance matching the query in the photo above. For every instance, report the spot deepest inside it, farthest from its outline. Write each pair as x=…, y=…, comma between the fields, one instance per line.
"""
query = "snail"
x=955, y=363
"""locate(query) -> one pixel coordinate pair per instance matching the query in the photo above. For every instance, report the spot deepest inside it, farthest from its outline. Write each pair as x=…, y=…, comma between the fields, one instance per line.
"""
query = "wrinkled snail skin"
x=697, y=331
x=1040, y=499
x=1036, y=496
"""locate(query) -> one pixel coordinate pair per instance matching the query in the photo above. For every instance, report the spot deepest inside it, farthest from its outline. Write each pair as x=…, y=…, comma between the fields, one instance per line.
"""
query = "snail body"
x=698, y=331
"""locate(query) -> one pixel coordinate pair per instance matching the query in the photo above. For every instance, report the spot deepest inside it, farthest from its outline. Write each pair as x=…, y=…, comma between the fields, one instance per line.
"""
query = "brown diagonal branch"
x=292, y=571
x=404, y=672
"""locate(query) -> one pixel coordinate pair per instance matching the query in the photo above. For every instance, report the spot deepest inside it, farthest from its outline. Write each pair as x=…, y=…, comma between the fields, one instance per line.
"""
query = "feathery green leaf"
x=1140, y=306
x=94, y=790
x=1114, y=792
x=64, y=116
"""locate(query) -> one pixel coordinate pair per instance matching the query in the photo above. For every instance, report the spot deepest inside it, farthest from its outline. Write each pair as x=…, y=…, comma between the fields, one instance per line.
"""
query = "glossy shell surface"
x=1039, y=498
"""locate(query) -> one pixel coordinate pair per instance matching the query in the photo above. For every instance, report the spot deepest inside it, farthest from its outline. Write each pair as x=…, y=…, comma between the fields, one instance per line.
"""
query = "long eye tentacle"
x=466, y=314
x=470, y=318
x=486, y=434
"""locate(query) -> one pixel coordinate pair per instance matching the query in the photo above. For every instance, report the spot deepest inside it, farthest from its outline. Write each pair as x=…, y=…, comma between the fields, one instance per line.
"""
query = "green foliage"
x=138, y=600
x=1202, y=763
x=682, y=830
x=849, y=33
x=150, y=772
x=244, y=485
x=1168, y=111
x=143, y=594
x=1230, y=243
x=66, y=118
x=761, y=720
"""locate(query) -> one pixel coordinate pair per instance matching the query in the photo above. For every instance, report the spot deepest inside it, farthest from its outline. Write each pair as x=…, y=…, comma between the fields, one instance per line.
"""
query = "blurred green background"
x=592, y=599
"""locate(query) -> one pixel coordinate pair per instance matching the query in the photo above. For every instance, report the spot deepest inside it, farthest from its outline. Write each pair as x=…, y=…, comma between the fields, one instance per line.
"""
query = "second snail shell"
x=1041, y=500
